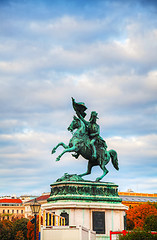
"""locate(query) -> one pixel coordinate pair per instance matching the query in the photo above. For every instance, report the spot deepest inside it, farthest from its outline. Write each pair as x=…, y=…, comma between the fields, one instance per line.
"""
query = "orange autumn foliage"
x=19, y=236
x=138, y=214
x=30, y=232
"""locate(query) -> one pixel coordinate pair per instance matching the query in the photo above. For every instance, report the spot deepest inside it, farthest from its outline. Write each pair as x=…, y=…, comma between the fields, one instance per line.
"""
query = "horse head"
x=75, y=124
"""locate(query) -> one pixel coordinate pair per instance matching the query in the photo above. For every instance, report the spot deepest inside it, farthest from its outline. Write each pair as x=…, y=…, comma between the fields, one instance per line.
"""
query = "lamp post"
x=35, y=207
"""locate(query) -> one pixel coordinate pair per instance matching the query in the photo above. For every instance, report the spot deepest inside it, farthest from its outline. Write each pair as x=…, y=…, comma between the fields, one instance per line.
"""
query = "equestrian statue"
x=87, y=142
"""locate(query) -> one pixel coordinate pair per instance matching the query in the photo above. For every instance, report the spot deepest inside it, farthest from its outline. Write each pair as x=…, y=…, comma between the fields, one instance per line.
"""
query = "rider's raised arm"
x=83, y=120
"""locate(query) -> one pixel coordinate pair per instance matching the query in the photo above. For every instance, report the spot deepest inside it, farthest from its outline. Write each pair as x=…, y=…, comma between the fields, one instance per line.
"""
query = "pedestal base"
x=94, y=205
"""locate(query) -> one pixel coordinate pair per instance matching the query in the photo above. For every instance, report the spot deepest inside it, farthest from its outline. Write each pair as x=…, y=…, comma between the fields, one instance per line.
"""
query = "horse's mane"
x=81, y=132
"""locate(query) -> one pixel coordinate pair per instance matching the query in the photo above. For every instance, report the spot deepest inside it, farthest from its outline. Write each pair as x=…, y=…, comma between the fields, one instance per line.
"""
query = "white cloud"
x=151, y=81
x=67, y=27
x=138, y=47
x=137, y=149
x=111, y=67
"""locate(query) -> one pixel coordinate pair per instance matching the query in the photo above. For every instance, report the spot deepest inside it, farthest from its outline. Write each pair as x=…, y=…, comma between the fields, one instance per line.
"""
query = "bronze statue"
x=87, y=142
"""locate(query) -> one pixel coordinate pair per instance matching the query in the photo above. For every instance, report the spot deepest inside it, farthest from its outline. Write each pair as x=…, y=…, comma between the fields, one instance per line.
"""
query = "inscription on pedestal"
x=84, y=191
x=99, y=222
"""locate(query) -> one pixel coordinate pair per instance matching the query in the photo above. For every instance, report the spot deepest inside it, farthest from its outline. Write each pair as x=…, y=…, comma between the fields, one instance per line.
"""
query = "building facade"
x=42, y=200
x=11, y=209
x=132, y=199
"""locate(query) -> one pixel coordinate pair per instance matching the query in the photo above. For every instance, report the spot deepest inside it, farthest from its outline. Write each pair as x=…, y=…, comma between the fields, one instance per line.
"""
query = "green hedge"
x=139, y=235
x=150, y=223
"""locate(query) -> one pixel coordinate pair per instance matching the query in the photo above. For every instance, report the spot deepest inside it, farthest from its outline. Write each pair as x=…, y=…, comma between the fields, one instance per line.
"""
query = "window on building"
x=17, y=211
x=8, y=211
x=3, y=211
x=22, y=211
x=12, y=211
x=66, y=216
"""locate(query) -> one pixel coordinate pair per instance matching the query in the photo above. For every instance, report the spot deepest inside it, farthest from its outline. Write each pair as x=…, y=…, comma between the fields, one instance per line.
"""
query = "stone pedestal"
x=93, y=205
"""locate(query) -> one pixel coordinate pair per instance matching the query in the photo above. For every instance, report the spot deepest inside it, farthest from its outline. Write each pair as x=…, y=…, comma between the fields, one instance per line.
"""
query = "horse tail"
x=114, y=158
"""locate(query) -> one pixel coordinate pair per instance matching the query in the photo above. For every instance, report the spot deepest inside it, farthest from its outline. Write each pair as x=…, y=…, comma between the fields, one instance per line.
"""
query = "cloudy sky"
x=103, y=53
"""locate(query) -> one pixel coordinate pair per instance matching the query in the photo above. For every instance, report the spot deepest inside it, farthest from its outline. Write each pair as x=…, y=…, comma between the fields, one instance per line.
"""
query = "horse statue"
x=80, y=144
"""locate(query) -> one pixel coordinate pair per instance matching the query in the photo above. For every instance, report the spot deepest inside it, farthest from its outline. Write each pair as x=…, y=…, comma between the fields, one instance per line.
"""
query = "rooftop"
x=41, y=198
x=134, y=198
x=10, y=200
x=137, y=194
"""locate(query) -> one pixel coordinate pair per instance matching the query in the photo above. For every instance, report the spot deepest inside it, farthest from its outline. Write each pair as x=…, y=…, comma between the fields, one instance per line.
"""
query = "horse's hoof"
x=98, y=180
x=53, y=151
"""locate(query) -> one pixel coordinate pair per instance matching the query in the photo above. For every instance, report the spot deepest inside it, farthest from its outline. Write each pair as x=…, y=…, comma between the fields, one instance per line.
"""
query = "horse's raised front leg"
x=59, y=144
x=89, y=168
x=72, y=149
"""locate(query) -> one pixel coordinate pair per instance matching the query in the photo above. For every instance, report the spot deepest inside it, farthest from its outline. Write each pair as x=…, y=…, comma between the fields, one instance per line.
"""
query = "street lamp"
x=35, y=207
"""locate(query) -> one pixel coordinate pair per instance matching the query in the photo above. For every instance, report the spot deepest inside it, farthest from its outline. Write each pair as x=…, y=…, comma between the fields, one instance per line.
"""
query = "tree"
x=150, y=223
x=19, y=236
x=130, y=224
x=3, y=232
x=138, y=214
x=30, y=227
x=21, y=225
x=154, y=204
x=6, y=230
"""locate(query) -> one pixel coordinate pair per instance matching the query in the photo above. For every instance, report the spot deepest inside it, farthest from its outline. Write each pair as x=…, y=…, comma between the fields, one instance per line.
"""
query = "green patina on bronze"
x=73, y=187
x=87, y=142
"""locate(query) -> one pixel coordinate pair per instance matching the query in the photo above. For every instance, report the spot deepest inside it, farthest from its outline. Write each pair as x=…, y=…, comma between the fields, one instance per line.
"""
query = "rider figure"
x=93, y=130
